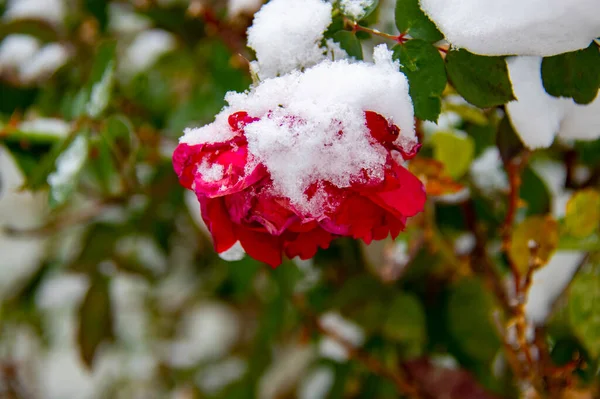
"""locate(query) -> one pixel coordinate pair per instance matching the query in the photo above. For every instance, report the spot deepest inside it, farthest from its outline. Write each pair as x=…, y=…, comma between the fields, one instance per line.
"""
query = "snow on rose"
x=307, y=157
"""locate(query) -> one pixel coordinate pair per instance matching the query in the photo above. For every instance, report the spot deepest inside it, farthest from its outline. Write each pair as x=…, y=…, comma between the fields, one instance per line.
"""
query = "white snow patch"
x=516, y=27
x=538, y=117
x=215, y=377
x=487, y=172
x=46, y=126
x=240, y=7
x=330, y=348
x=68, y=164
x=51, y=11
x=464, y=244
x=45, y=62
x=301, y=114
x=16, y=50
x=317, y=384
x=356, y=8
x=62, y=291
x=147, y=48
x=286, y=35
x=123, y=20
x=235, y=253
x=207, y=333
x=288, y=366
x=549, y=282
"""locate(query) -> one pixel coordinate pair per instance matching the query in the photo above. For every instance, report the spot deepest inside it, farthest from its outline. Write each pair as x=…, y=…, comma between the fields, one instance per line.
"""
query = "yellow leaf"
x=538, y=231
x=583, y=213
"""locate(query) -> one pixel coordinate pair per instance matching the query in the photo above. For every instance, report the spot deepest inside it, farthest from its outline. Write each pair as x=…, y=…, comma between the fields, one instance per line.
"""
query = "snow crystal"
x=45, y=62
x=487, y=172
x=46, y=126
x=516, y=27
x=538, y=117
x=286, y=35
x=147, y=47
x=16, y=50
x=211, y=172
x=301, y=114
x=239, y=7
x=356, y=8
x=51, y=11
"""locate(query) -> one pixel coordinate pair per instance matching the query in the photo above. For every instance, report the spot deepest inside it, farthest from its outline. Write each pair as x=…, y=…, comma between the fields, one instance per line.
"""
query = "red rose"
x=239, y=202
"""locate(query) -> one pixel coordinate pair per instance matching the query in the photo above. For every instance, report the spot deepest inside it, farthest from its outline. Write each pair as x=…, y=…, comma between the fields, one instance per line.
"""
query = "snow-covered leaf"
x=63, y=180
x=424, y=67
x=101, y=79
x=575, y=74
x=482, y=81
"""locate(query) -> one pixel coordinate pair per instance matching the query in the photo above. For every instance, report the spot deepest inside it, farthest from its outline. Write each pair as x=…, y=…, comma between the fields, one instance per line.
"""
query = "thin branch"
x=397, y=377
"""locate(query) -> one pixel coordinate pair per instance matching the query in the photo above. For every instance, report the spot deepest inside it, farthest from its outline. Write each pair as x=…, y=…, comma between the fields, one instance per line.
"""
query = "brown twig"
x=397, y=377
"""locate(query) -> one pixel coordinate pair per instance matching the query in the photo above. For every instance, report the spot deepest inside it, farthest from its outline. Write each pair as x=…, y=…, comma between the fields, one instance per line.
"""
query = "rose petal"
x=406, y=200
x=216, y=218
x=305, y=245
x=263, y=247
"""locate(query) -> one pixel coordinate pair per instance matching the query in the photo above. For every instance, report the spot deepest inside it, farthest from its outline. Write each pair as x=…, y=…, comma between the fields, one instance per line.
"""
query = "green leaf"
x=535, y=193
x=582, y=217
x=423, y=65
x=542, y=230
x=470, y=320
x=39, y=175
x=101, y=79
x=412, y=20
x=405, y=323
x=575, y=74
x=95, y=320
x=63, y=180
x=584, y=306
x=482, y=81
x=350, y=43
x=99, y=9
x=455, y=151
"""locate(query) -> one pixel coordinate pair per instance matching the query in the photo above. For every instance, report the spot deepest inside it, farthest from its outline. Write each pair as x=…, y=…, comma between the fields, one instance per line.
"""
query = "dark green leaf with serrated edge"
x=482, y=81
x=584, y=306
x=350, y=43
x=412, y=20
x=575, y=74
x=95, y=320
x=424, y=67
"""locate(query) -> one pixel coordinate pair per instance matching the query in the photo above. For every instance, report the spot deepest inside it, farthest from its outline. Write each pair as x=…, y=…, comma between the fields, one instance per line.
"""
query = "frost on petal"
x=538, y=117
x=286, y=35
x=516, y=27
